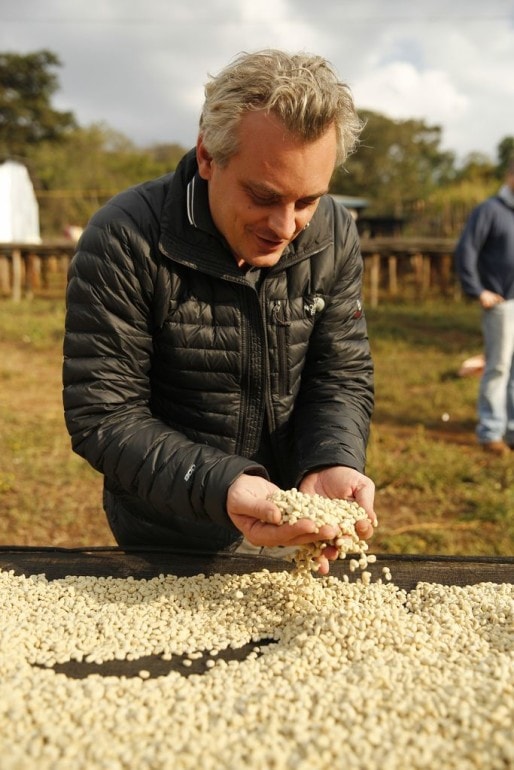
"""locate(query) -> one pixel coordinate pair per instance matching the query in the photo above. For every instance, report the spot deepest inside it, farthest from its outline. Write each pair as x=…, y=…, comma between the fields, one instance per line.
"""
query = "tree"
x=168, y=155
x=478, y=169
x=75, y=176
x=397, y=164
x=505, y=154
x=27, y=85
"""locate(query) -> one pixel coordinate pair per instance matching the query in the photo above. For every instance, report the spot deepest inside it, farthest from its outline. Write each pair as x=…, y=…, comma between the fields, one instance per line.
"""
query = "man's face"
x=267, y=193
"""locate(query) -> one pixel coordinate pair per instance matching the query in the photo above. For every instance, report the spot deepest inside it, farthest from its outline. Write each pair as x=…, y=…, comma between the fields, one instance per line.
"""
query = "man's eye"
x=305, y=204
x=260, y=201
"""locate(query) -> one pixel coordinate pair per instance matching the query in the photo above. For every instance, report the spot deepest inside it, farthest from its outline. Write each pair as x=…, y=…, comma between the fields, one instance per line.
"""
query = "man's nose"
x=282, y=221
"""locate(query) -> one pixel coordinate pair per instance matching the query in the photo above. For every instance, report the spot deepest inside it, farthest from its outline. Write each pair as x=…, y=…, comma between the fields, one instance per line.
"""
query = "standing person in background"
x=485, y=265
x=216, y=348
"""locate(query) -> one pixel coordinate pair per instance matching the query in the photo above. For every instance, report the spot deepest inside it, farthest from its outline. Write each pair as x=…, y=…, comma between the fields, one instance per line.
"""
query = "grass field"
x=437, y=492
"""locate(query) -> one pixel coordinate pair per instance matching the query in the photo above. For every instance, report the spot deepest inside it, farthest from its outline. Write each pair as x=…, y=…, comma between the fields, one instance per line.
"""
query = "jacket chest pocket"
x=292, y=324
x=282, y=326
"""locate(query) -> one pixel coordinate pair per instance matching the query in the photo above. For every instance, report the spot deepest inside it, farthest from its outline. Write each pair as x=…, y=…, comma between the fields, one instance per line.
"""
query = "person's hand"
x=489, y=299
x=258, y=519
x=339, y=482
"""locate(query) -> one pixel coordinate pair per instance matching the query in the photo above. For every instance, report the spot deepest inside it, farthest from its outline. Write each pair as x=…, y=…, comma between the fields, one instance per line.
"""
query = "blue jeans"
x=496, y=393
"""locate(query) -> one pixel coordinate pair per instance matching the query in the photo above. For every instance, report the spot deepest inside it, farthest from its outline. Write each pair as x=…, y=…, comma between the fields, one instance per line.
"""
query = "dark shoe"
x=496, y=447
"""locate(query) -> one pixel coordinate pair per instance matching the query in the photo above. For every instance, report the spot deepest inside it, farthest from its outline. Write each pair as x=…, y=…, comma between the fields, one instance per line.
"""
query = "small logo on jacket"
x=190, y=472
x=314, y=304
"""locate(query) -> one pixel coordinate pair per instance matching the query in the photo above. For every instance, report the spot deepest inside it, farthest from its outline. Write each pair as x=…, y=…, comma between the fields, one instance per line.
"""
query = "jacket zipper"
x=252, y=414
x=278, y=313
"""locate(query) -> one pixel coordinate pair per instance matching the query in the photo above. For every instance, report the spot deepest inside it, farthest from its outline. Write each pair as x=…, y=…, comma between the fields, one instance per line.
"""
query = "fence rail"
x=396, y=267
x=25, y=267
x=393, y=267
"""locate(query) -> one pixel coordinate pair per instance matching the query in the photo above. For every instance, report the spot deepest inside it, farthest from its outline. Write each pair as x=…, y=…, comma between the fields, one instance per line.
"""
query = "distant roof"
x=351, y=202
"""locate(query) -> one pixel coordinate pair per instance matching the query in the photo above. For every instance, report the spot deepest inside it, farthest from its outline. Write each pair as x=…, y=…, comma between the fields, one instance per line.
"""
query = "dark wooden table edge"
x=407, y=570
x=111, y=562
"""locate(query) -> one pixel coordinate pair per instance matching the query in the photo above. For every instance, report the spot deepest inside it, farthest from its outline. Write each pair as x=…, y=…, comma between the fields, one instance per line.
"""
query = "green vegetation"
x=399, y=167
x=437, y=492
x=48, y=496
x=74, y=169
x=27, y=84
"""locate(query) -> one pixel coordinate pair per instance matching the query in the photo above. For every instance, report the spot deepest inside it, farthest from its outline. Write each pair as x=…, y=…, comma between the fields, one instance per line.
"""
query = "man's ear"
x=203, y=159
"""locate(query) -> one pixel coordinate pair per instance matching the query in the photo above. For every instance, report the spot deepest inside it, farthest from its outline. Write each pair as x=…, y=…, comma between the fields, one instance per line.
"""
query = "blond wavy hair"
x=301, y=89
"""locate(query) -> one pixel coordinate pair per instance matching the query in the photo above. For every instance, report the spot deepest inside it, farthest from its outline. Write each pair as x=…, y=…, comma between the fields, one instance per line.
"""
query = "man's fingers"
x=269, y=513
x=262, y=533
x=364, y=529
x=324, y=566
x=331, y=552
x=306, y=531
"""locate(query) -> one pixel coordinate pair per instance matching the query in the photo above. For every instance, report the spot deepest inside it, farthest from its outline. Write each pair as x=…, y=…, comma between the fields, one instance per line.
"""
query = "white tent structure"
x=19, y=211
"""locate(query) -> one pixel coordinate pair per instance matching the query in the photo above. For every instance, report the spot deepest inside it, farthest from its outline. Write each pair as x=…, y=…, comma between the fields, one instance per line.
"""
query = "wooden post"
x=421, y=265
x=64, y=264
x=17, y=269
x=32, y=273
x=5, y=283
x=392, y=264
x=374, y=279
x=446, y=274
x=426, y=274
x=417, y=265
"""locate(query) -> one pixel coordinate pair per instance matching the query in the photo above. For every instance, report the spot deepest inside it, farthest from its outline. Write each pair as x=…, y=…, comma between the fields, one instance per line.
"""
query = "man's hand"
x=339, y=482
x=258, y=519
x=489, y=299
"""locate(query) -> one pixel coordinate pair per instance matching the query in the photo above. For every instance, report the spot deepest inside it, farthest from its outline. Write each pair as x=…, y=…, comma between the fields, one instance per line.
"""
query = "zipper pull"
x=276, y=311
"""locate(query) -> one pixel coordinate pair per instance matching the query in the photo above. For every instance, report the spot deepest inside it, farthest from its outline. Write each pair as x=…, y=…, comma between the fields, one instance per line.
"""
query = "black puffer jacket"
x=174, y=362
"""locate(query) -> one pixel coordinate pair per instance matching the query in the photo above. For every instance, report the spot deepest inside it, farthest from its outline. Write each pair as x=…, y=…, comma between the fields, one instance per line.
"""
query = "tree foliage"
x=76, y=176
x=505, y=154
x=27, y=84
x=399, y=166
x=397, y=163
x=401, y=169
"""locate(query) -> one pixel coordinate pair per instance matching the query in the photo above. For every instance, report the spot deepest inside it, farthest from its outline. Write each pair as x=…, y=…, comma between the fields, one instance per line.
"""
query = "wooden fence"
x=25, y=268
x=408, y=267
x=393, y=268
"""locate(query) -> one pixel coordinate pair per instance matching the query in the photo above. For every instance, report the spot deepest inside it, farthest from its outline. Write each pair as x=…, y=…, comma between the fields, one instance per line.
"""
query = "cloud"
x=141, y=67
x=400, y=90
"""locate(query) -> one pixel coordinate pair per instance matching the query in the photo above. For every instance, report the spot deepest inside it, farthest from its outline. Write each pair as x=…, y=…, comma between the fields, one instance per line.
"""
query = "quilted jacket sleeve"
x=112, y=289
x=334, y=407
x=468, y=249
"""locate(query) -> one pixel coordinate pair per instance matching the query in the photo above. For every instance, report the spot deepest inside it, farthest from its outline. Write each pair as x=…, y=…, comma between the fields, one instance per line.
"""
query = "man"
x=485, y=264
x=215, y=345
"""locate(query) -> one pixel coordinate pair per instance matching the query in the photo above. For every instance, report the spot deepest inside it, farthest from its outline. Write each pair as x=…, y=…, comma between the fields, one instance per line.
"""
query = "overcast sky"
x=140, y=65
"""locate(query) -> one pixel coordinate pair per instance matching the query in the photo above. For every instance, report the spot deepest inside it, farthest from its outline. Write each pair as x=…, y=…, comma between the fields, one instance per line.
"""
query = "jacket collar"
x=506, y=194
x=198, y=210
x=188, y=228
